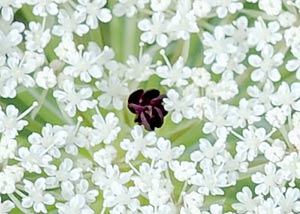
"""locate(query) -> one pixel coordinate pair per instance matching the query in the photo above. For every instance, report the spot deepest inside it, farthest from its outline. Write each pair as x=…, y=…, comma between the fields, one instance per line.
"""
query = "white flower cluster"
x=229, y=70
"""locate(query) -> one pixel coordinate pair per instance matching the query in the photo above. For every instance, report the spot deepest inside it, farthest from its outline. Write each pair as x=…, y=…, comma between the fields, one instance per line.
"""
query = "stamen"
x=141, y=50
x=27, y=111
x=79, y=120
x=163, y=53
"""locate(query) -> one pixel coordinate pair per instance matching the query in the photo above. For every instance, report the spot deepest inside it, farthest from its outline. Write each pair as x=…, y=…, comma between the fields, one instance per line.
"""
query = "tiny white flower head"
x=46, y=78
x=108, y=128
x=36, y=37
x=37, y=197
x=286, y=19
x=201, y=8
x=183, y=170
x=94, y=11
x=105, y=156
x=6, y=206
x=271, y=7
x=274, y=152
x=74, y=100
x=181, y=107
x=160, y=5
x=246, y=201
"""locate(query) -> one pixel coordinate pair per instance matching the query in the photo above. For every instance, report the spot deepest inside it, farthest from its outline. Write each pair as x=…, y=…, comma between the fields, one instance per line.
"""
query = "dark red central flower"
x=147, y=105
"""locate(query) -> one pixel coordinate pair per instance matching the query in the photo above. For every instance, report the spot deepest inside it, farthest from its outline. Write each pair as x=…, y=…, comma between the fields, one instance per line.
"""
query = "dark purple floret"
x=147, y=105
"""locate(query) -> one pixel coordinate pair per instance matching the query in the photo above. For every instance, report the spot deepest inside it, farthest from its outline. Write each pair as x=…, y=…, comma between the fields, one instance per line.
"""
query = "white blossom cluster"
x=230, y=70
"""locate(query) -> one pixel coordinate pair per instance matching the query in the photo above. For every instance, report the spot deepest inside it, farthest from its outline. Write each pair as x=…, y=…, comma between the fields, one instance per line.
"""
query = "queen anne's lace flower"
x=224, y=70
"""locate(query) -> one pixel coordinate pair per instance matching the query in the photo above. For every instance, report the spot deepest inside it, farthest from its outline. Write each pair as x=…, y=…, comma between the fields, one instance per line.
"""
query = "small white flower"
x=271, y=7
x=11, y=122
x=74, y=100
x=139, y=144
x=217, y=46
x=274, y=152
x=105, y=156
x=108, y=128
x=266, y=182
x=165, y=153
x=183, y=170
x=269, y=206
x=267, y=65
x=239, y=32
x=175, y=75
x=6, y=206
x=121, y=198
x=158, y=5
x=69, y=190
x=37, y=198
x=216, y=115
x=160, y=192
x=247, y=203
x=294, y=64
x=34, y=158
x=46, y=78
x=234, y=166
x=84, y=64
x=290, y=168
x=287, y=97
x=263, y=95
x=181, y=107
x=44, y=8
x=9, y=177
x=154, y=30
x=201, y=8
x=105, y=178
x=10, y=37
x=51, y=138
x=201, y=77
x=8, y=147
x=276, y=117
x=114, y=91
x=7, y=8
x=225, y=7
x=184, y=22
x=211, y=180
x=288, y=200
x=248, y=112
x=286, y=19
x=94, y=11
x=192, y=200
x=146, y=176
x=294, y=137
x=252, y=138
x=139, y=69
x=64, y=173
x=36, y=37
x=128, y=7
x=211, y=151
x=69, y=24
x=290, y=36
x=75, y=204
x=261, y=34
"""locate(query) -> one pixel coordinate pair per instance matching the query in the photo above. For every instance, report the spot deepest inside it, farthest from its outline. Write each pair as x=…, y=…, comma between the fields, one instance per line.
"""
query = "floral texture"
x=149, y=106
